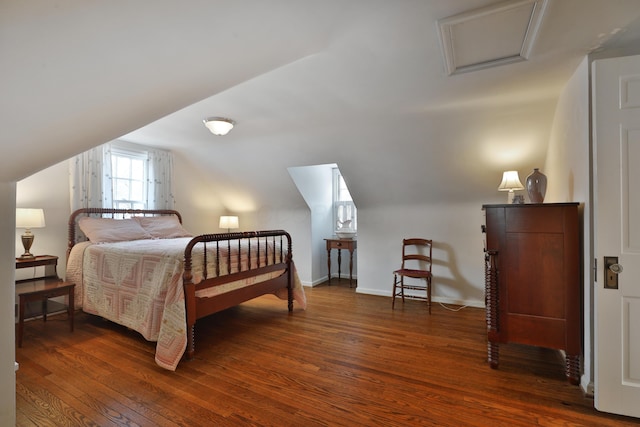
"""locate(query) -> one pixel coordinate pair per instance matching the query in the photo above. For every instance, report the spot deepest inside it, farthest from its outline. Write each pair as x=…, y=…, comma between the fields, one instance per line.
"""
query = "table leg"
x=21, y=320
x=339, y=262
x=329, y=264
x=350, y=267
x=71, y=307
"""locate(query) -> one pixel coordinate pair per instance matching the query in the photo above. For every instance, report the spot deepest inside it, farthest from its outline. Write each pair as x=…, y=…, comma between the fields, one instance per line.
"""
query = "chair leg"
x=393, y=293
x=429, y=294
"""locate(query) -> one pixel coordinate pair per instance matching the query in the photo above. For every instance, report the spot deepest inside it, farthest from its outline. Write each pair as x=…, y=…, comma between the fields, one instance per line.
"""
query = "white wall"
x=458, y=270
x=314, y=184
x=7, y=295
x=48, y=189
x=568, y=172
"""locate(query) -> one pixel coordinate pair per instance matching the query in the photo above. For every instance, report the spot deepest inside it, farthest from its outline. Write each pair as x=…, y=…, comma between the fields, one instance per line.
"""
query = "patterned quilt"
x=138, y=284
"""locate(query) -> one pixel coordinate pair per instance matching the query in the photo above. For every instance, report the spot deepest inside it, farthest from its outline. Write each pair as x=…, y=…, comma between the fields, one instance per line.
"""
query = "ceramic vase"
x=536, y=185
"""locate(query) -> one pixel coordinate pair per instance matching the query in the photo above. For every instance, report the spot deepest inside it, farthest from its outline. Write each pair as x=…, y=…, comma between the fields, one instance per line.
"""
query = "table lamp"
x=229, y=222
x=28, y=218
x=510, y=182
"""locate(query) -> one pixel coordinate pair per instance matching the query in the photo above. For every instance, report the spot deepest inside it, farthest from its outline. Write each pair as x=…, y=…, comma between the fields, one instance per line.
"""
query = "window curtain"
x=160, y=183
x=91, y=184
x=90, y=178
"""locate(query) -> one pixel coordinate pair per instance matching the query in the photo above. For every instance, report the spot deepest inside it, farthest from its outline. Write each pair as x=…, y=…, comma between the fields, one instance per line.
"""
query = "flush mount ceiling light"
x=219, y=125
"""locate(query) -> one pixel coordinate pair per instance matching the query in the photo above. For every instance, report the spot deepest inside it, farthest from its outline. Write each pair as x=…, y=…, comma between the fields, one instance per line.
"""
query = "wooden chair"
x=416, y=264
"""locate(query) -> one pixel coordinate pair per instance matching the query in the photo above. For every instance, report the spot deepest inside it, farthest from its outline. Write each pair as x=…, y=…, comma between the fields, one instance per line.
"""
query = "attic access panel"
x=495, y=35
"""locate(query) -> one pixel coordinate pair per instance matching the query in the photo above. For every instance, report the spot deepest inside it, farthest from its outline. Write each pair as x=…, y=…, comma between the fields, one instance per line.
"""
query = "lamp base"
x=27, y=241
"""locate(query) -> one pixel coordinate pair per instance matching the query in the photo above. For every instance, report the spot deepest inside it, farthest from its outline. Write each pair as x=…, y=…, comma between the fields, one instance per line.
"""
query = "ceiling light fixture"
x=219, y=125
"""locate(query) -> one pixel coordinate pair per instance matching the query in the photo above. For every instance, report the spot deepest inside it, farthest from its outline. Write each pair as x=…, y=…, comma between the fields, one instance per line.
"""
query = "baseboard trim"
x=436, y=299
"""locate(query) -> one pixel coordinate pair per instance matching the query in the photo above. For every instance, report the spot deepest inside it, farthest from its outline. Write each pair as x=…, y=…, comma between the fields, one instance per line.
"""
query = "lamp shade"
x=229, y=222
x=29, y=218
x=510, y=181
x=219, y=125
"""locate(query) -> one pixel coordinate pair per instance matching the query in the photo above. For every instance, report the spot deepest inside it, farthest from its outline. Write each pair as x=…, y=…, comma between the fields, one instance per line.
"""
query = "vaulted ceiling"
x=360, y=83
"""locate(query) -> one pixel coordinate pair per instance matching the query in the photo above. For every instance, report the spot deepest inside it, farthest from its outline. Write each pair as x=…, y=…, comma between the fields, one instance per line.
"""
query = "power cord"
x=452, y=309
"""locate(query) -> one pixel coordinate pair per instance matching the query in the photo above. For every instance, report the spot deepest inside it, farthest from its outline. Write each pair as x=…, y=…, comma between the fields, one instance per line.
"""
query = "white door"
x=616, y=150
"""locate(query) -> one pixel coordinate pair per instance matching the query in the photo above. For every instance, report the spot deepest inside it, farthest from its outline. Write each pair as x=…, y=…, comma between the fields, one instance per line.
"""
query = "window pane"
x=137, y=169
x=344, y=210
x=129, y=180
x=123, y=167
x=136, y=191
x=121, y=189
x=343, y=191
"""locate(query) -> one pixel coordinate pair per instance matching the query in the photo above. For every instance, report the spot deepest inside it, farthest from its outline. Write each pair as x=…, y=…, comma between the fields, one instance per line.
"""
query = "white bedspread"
x=138, y=284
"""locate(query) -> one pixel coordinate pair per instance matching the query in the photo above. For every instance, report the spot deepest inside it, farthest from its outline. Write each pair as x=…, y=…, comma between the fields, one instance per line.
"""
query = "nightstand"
x=34, y=293
x=49, y=262
x=339, y=244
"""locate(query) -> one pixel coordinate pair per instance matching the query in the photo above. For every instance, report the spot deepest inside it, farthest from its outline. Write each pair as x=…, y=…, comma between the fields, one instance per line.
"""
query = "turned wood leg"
x=329, y=265
x=572, y=369
x=350, y=267
x=71, y=308
x=191, y=348
x=493, y=353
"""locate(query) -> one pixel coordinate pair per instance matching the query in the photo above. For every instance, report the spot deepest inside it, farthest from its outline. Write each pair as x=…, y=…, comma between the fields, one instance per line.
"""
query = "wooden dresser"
x=533, y=279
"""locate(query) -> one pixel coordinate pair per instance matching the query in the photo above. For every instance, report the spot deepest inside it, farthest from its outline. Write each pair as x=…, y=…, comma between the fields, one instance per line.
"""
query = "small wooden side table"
x=41, y=289
x=339, y=244
x=49, y=262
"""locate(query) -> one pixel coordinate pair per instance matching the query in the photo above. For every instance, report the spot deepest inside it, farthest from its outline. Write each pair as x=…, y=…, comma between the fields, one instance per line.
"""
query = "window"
x=123, y=176
x=129, y=179
x=343, y=207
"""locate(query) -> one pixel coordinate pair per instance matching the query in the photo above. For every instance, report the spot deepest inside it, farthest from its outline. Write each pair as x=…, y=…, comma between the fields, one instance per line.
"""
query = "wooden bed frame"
x=197, y=307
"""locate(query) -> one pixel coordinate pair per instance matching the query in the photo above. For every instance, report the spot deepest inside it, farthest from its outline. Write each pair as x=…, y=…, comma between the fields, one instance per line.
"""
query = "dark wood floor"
x=347, y=360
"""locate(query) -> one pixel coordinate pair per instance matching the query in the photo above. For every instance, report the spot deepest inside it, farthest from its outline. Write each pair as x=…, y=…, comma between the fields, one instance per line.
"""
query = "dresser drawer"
x=341, y=244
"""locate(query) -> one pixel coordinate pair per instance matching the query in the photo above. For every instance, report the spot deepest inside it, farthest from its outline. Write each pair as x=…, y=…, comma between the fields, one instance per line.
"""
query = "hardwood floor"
x=347, y=360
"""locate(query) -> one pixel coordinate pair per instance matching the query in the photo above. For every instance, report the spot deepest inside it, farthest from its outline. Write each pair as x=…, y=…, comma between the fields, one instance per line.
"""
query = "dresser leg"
x=572, y=369
x=493, y=353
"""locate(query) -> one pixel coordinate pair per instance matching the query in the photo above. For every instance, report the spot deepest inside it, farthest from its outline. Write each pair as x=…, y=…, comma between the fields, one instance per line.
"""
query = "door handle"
x=616, y=268
x=611, y=271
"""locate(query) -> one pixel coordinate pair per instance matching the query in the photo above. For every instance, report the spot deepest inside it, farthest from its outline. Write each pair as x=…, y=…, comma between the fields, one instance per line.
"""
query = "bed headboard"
x=75, y=235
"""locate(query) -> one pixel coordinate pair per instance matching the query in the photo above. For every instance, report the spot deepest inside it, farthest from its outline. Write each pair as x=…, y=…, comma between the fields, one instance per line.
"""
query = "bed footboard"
x=275, y=263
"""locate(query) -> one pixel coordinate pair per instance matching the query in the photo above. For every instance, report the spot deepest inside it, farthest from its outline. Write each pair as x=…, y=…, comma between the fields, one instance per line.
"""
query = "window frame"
x=343, y=210
x=131, y=154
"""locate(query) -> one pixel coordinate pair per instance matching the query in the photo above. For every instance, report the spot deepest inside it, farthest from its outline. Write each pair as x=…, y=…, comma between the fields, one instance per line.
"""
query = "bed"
x=143, y=270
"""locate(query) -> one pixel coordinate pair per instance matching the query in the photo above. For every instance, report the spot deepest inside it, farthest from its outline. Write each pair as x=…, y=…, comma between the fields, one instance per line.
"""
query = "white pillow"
x=162, y=227
x=108, y=230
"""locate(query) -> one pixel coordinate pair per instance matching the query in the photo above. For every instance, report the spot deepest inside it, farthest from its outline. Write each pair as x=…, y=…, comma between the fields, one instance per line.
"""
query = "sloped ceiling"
x=360, y=83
